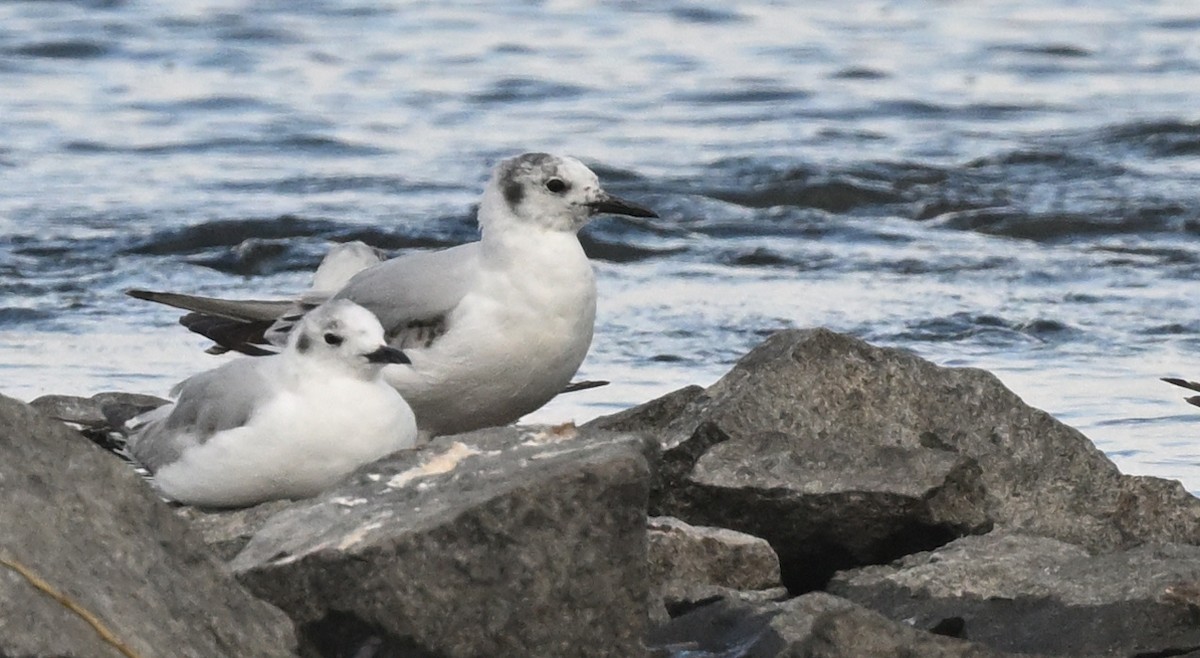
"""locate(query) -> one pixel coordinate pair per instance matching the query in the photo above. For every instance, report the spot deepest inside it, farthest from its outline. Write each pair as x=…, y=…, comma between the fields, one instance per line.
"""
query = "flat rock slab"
x=841, y=454
x=102, y=410
x=502, y=542
x=1019, y=592
x=80, y=524
x=228, y=531
x=815, y=625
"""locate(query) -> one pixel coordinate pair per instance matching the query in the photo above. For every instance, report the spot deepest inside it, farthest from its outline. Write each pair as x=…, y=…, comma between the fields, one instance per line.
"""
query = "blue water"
x=1004, y=185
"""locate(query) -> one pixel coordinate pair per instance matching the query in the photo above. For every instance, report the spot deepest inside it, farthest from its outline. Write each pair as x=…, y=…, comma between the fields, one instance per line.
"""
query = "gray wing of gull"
x=207, y=403
x=1190, y=385
x=411, y=295
x=340, y=264
x=234, y=309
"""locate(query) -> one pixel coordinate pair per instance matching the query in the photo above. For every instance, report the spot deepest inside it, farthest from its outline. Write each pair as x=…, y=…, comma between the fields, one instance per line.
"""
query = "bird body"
x=519, y=336
x=495, y=328
x=283, y=426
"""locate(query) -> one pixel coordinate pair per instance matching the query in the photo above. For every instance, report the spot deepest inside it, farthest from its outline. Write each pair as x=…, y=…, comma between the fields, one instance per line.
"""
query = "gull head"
x=553, y=192
x=344, y=335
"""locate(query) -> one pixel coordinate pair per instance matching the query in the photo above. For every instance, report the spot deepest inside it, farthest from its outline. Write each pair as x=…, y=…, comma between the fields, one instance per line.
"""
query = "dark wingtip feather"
x=138, y=293
x=229, y=335
x=583, y=385
x=1193, y=386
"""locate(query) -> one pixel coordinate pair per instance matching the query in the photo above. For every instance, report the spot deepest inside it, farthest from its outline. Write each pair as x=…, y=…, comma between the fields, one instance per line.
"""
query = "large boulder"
x=815, y=625
x=841, y=454
x=1025, y=593
x=92, y=563
x=502, y=542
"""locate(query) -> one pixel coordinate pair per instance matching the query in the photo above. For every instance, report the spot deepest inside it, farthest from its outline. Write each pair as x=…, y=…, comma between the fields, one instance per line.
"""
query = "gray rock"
x=1018, y=592
x=690, y=564
x=102, y=410
x=70, y=409
x=85, y=526
x=815, y=625
x=690, y=596
x=502, y=542
x=682, y=552
x=841, y=454
x=653, y=416
x=119, y=407
x=228, y=531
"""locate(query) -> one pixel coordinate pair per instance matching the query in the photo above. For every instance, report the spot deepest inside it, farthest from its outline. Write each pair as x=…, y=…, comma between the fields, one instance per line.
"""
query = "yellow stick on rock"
x=67, y=603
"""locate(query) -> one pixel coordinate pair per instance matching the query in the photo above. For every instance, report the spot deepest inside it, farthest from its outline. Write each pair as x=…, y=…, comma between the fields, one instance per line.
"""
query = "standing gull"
x=287, y=425
x=494, y=328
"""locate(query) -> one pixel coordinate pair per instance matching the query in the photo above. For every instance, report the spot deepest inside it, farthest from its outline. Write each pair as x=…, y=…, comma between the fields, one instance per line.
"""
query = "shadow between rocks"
x=345, y=635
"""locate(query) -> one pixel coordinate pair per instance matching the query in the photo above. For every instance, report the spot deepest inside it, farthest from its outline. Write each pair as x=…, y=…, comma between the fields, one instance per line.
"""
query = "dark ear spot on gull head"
x=516, y=171
x=513, y=193
x=303, y=344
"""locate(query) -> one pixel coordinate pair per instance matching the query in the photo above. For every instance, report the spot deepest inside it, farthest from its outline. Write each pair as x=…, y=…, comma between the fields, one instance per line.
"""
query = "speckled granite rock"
x=692, y=564
x=1019, y=592
x=102, y=410
x=90, y=529
x=841, y=454
x=815, y=625
x=502, y=542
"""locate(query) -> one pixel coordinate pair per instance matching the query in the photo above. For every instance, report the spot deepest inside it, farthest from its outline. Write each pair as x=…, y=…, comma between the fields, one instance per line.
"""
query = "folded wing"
x=411, y=295
x=207, y=403
x=1192, y=386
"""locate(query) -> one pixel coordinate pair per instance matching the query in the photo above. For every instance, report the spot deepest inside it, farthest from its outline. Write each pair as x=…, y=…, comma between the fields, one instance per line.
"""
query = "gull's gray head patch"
x=516, y=173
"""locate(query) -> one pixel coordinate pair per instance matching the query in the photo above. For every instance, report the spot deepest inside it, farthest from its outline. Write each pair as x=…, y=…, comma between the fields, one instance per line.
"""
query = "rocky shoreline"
x=824, y=498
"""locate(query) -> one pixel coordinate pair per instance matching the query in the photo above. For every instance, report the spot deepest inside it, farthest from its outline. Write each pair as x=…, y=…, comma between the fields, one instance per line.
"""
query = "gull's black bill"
x=615, y=205
x=387, y=355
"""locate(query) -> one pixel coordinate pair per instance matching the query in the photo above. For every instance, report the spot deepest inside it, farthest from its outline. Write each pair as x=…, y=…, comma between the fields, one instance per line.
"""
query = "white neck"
x=522, y=241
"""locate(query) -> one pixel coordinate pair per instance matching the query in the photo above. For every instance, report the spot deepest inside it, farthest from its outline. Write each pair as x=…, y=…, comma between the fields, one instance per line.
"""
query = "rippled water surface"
x=1006, y=185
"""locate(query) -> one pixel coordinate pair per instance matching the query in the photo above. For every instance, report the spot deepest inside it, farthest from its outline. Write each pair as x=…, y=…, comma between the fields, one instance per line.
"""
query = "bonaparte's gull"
x=494, y=328
x=287, y=425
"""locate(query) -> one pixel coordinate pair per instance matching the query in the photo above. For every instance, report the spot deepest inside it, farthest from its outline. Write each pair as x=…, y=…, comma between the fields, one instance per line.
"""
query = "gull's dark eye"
x=556, y=185
x=333, y=339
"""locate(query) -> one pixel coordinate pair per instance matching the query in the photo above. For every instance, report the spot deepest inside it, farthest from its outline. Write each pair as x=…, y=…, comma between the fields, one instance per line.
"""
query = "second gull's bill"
x=287, y=425
x=494, y=328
